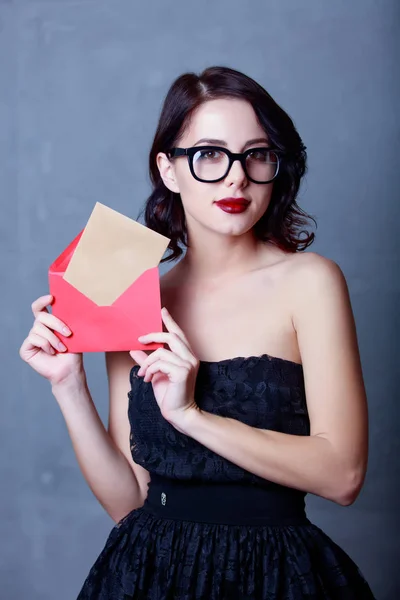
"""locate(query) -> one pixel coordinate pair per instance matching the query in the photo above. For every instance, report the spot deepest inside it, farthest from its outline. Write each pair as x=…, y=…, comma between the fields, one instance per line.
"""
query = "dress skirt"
x=208, y=541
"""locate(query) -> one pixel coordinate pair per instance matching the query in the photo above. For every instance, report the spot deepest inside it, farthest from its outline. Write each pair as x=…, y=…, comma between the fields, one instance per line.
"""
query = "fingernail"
x=61, y=347
x=66, y=331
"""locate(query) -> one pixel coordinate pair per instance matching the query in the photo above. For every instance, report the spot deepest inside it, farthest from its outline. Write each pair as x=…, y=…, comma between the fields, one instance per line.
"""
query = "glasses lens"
x=210, y=164
x=262, y=164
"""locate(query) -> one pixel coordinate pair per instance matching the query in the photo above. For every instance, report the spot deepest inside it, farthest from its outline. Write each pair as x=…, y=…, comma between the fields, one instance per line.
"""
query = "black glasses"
x=212, y=163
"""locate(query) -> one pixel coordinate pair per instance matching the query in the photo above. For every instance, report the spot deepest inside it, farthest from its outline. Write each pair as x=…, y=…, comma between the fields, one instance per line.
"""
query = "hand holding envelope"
x=106, y=285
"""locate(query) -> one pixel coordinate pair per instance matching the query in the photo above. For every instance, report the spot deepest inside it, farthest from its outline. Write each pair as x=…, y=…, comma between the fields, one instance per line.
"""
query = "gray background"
x=81, y=86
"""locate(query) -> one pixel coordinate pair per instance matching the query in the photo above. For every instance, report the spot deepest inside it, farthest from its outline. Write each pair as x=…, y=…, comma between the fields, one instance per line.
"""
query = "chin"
x=226, y=224
x=235, y=229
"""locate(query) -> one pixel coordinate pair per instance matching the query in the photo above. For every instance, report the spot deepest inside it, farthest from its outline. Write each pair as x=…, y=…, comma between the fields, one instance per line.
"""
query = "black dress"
x=209, y=529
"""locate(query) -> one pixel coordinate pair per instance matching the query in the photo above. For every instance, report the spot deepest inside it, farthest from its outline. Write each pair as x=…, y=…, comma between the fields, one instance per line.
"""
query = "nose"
x=236, y=175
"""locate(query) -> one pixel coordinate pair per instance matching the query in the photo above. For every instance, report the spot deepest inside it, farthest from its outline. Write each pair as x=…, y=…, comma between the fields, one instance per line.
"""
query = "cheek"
x=196, y=196
x=262, y=199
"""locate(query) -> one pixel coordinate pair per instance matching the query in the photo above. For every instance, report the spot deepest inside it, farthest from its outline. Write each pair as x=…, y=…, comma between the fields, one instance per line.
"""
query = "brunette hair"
x=280, y=224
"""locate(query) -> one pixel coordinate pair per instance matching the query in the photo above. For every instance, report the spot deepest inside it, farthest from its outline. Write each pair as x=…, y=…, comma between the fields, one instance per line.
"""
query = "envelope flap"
x=62, y=261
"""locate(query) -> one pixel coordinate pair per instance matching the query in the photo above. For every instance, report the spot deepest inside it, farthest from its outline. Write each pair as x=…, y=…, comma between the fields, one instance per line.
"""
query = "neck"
x=212, y=257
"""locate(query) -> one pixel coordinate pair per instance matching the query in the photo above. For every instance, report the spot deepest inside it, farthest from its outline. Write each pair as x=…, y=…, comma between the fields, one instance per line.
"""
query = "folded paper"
x=106, y=284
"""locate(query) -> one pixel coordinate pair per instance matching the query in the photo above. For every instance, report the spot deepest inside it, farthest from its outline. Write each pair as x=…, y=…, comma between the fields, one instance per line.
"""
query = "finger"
x=41, y=303
x=53, y=323
x=37, y=341
x=172, y=326
x=175, y=343
x=174, y=372
x=138, y=356
x=27, y=346
x=42, y=330
x=160, y=354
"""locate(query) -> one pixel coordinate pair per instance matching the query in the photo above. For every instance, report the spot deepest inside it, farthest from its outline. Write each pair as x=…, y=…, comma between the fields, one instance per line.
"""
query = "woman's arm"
x=102, y=455
x=332, y=461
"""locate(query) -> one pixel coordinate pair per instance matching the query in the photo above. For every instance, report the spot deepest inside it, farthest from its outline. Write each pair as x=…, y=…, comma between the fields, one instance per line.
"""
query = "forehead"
x=232, y=120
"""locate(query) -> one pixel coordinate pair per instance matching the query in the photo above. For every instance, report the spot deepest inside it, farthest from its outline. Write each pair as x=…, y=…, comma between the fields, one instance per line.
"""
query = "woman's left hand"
x=172, y=372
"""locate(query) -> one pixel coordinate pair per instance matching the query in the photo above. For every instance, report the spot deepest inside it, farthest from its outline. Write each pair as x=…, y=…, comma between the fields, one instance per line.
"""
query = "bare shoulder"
x=170, y=283
x=166, y=281
x=313, y=266
x=169, y=278
x=322, y=316
x=305, y=278
x=311, y=276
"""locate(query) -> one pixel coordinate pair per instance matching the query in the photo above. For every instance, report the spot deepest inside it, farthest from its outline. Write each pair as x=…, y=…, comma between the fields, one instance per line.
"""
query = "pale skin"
x=296, y=306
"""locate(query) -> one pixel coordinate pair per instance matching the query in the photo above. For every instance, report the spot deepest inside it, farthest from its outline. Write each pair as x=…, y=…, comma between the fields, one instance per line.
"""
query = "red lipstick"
x=233, y=205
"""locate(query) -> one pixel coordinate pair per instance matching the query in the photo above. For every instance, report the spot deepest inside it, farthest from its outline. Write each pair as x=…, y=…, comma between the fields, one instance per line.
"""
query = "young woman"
x=257, y=396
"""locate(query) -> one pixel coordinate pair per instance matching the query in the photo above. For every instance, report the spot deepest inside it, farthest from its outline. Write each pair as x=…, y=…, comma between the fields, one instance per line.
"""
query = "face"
x=234, y=124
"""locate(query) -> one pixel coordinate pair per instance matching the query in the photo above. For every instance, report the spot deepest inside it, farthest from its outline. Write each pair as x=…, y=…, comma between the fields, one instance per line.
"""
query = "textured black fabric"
x=152, y=557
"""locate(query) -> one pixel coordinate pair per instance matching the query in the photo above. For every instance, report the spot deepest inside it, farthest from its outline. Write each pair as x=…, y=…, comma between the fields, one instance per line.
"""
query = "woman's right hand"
x=44, y=352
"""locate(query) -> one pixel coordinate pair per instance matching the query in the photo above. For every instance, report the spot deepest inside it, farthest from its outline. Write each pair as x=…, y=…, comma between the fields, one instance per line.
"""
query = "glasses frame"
x=232, y=156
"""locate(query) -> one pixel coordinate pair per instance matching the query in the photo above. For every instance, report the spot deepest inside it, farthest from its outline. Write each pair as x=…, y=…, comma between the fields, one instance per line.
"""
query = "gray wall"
x=81, y=85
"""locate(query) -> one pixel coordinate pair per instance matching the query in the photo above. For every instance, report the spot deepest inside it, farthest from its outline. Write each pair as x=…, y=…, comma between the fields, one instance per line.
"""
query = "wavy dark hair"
x=282, y=221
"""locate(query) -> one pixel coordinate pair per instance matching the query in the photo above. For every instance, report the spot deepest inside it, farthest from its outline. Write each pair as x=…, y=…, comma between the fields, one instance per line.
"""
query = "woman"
x=257, y=397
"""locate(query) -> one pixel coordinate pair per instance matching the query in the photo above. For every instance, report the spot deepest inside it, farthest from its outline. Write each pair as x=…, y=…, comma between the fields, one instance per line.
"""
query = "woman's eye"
x=209, y=154
x=259, y=155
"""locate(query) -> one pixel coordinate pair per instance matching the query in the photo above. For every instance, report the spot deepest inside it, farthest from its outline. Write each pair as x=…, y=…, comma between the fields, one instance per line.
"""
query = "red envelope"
x=114, y=327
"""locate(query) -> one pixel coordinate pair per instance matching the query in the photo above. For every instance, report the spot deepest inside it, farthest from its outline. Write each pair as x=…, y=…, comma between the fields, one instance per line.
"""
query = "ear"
x=167, y=172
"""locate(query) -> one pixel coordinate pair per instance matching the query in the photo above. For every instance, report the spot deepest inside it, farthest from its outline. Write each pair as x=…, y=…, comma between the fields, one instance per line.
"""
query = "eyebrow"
x=223, y=143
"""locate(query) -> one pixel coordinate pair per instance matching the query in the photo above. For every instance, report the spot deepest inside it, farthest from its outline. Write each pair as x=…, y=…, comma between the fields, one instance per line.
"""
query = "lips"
x=233, y=205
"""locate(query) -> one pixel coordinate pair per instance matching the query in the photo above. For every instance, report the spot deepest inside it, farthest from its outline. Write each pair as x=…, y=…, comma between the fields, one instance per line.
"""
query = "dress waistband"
x=224, y=503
